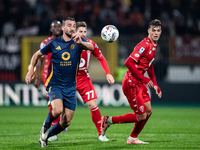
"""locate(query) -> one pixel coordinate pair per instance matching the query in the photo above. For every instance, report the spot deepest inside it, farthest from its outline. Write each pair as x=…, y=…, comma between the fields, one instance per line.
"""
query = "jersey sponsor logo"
x=137, y=55
x=141, y=50
x=65, y=56
x=72, y=46
x=58, y=48
x=153, y=48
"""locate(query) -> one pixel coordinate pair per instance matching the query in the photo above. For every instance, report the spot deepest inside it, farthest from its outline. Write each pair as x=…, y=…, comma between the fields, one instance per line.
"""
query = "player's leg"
x=95, y=114
x=133, y=138
x=57, y=106
x=130, y=93
x=96, y=117
x=64, y=122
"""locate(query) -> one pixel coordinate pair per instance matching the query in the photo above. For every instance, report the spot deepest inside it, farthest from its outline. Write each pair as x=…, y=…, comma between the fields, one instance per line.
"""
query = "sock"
x=138, y=127
x=127, y=118
x=55, y=130
x=49, y=119
x=96, y=118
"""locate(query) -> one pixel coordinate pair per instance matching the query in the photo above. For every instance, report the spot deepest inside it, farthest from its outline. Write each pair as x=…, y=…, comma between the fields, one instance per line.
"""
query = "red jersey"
x=85, y=60
x=144, y=54
x=47, y=59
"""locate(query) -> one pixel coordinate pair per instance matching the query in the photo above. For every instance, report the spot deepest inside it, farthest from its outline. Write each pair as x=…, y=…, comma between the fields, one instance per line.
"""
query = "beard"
x=68, y=34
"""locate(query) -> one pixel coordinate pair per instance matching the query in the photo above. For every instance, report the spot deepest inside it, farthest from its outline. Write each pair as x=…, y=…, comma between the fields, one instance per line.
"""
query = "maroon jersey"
x=144, y=54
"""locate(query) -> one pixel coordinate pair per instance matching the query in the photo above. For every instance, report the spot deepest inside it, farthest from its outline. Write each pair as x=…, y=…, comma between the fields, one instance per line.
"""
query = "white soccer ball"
x=109, y=33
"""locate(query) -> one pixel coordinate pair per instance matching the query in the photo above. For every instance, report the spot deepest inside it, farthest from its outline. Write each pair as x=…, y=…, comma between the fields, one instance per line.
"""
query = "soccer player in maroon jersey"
x=134, y=82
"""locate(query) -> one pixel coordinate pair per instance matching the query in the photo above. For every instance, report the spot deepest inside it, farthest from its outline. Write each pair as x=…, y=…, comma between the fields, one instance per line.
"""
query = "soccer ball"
x=109, y=33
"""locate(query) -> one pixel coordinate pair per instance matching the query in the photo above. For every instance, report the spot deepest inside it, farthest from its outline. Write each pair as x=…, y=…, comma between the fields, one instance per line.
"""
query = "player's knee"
x=57, y=111
x=142, y=117
x=149, y=112
x=92, y=105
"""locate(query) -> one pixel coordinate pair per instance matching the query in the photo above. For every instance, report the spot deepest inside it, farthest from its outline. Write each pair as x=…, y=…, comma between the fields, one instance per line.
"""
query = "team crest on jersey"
x=72, y=46
x=153, y=48
x=141, y=50
x=54, y=95
x=141, y=108
x=58, y=48
x=66, y=56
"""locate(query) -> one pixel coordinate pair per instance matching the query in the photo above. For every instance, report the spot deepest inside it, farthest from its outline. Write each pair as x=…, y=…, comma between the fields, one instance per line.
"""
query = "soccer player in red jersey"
x=134, y=82
x=84, y=84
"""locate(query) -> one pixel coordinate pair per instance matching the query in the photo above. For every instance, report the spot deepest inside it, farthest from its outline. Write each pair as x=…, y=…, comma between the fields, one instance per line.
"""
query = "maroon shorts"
x=136, y=93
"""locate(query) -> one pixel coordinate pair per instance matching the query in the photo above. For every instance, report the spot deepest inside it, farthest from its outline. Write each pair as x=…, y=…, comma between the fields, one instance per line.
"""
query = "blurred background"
x=25, y=24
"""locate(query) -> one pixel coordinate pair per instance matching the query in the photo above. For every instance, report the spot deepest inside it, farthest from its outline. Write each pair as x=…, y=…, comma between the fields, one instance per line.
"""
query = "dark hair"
x=155, y=23
x=81, y=24
x=55, y=21
x=67, y=18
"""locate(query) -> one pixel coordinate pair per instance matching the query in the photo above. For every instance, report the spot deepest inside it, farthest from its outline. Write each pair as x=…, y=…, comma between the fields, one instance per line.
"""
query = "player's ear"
x=62, y=28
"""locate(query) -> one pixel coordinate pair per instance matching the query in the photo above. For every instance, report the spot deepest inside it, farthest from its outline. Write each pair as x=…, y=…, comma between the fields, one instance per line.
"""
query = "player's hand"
x=37, y=83
x=30, y=75
x=158, y=91
x=76, y=38
x=110, y=79
x=149, y=84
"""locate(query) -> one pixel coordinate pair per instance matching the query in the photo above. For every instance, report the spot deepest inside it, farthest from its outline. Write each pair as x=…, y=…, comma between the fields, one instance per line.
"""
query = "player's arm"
x=151, y=75
x=130, y=64
x=37, y=81
x=34, y=59
x=105, y=67
x=82, y=42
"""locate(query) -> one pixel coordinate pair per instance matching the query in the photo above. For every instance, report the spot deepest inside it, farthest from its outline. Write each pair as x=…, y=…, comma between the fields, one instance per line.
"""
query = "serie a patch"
x=141, y=50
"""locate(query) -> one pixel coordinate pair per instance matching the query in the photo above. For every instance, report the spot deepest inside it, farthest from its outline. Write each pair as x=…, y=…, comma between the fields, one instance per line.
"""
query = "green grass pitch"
x=169, y=128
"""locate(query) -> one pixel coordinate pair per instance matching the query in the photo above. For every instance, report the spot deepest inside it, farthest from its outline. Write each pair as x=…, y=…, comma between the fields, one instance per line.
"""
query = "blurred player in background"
x=61, y=83
x=56, y=31
x=84, y=84
x=133, y=84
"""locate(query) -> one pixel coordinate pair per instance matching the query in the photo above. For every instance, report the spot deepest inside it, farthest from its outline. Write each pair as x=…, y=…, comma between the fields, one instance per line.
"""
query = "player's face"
x=69, y=28
x=81, y=31
x=56, y=29
x=154, y=33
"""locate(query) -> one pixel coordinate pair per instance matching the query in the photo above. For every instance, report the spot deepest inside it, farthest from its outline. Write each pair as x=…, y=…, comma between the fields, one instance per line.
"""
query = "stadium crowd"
x=32, y=17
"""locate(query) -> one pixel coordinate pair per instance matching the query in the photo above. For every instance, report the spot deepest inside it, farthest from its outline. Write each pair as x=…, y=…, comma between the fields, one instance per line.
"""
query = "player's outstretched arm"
x=30, y=74
x=86, y=45
x=37, y=81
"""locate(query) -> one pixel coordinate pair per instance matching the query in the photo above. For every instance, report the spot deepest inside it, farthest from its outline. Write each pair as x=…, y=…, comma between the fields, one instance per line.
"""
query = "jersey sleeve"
x=97, y=53
x=139, y=51
x=47, y=48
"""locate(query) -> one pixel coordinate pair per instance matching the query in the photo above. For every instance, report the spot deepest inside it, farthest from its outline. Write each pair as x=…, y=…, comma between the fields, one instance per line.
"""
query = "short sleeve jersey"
x=85, y=58
x=47, y=58
x=144, y=54
x=65, y=61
